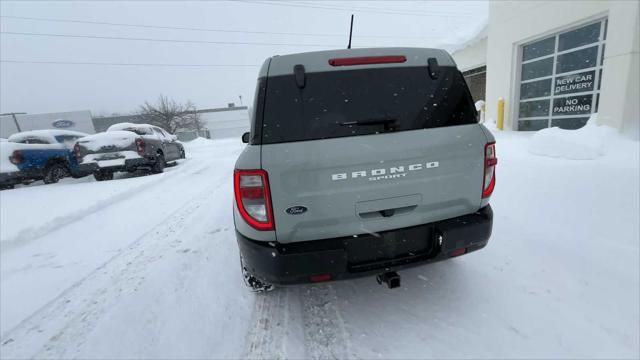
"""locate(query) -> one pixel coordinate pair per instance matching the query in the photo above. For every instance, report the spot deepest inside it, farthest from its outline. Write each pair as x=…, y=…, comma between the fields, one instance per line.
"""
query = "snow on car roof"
x=126, y=125
x=48, y=134
x=117, y=137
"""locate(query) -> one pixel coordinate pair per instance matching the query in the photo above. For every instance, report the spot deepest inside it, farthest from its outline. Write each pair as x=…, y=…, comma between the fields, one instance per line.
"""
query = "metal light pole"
x=13, y=114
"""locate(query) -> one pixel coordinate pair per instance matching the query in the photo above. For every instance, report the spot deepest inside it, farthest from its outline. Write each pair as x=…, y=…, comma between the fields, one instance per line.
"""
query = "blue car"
x=38, y=155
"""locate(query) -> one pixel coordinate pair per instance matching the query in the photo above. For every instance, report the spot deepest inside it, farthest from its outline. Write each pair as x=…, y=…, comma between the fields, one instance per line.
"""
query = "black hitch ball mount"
x=391, y=279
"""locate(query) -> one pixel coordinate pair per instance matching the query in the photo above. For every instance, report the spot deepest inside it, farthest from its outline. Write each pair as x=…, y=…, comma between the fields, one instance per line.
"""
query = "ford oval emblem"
x=62, y=124
x=296, y=210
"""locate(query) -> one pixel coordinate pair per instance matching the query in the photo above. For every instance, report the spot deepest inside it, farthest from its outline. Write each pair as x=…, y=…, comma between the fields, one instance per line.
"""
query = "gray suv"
x=360, y=162
x=127, y=147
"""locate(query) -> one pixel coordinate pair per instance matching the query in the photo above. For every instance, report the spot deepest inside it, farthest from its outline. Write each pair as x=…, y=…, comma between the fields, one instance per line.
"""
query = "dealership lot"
x=147, y=266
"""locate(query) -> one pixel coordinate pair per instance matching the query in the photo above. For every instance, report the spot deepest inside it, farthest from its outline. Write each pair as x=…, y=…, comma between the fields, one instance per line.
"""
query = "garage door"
x=560, y=78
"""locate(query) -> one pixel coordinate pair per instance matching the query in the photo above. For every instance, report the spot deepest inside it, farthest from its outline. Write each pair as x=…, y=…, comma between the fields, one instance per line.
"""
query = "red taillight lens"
x=458, y=252
x=140, y=146
x=251, y=188
x=320, y=278
x=16, y=157
x=367, y=60
x=76, y=151
x=490, y=161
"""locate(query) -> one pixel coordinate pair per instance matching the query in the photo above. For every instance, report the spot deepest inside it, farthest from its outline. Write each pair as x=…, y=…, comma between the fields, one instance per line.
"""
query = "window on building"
x=560, y=78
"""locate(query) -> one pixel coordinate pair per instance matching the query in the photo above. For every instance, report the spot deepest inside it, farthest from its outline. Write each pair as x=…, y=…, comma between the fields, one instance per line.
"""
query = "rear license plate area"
x=110, y=157
x=110, y=160
x=391, y=245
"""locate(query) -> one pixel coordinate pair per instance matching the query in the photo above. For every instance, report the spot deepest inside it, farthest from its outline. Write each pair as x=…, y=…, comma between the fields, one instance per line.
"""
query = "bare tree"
x=171, y=115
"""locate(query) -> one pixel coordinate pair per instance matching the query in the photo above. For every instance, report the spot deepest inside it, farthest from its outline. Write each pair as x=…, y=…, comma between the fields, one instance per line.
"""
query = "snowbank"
x=199, y=141
x=120, y=139
x=582, y=144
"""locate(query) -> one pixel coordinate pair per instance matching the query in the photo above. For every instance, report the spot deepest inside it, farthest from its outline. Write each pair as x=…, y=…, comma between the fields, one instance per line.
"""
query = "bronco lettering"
x=381, y=174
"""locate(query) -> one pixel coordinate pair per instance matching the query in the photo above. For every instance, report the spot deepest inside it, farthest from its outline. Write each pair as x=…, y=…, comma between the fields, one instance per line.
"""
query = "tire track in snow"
x=92, y=293
x=265, y=339
x=30, y=234
x=325, y=335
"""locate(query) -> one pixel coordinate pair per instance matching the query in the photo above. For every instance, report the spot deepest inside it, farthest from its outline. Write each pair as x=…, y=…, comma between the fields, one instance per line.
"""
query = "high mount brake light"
x=253, y=198
x=490, y=161
x=367, y=60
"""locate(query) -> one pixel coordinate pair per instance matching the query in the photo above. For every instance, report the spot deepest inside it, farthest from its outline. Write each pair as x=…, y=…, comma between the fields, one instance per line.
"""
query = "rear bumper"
x=11, y=178
x=363, y=255
x=17, y=177
x=129, y=165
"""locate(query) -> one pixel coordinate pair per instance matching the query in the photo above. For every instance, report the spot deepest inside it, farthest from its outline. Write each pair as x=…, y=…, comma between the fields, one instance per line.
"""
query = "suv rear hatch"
x=366, y=146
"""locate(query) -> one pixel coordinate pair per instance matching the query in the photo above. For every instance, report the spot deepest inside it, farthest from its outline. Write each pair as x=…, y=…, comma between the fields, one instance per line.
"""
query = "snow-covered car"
x=38, y=155
x=127, y=147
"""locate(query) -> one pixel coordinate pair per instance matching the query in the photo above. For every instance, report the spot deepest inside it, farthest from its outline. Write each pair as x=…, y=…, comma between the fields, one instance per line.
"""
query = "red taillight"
x=251, y=188
x=140, y=146
x=490, y=161
x=16, y=157
x=76, y=151
x=367, y=60
x=458, y=252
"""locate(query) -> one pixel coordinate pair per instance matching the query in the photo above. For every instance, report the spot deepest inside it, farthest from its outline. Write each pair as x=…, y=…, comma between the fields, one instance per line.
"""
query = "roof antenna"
x=350, y=32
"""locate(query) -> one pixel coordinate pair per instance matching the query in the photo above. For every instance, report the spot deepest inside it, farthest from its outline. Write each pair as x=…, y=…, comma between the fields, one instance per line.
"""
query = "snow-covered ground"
x=147, y=267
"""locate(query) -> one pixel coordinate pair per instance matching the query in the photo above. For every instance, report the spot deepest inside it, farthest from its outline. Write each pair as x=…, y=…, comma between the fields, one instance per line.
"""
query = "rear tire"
x=54, y=172
x=103, y=175
x=254, y=284
x=159, y=165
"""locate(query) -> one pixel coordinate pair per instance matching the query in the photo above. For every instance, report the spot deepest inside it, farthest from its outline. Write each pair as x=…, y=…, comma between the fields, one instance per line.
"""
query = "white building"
x=556, y=62
x=72, y=120
x=218, y=123
x=231, y=121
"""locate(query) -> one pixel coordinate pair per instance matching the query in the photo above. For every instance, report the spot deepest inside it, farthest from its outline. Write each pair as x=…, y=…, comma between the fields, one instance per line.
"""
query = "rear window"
x=33, y=140
x=67, y=138
x=364, y=102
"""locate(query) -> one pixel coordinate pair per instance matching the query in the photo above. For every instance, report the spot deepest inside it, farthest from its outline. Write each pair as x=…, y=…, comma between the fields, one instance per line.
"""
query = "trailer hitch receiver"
x=391, y=279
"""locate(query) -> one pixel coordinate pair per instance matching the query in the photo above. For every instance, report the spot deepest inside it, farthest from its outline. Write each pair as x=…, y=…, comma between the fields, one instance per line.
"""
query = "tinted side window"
x=158, y=132
x=331, y=102
x=257, y=112
x=66, y=138
x=33, y=141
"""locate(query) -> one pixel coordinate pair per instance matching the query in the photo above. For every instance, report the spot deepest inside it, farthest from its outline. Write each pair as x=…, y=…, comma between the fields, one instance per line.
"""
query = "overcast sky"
x=106, y=89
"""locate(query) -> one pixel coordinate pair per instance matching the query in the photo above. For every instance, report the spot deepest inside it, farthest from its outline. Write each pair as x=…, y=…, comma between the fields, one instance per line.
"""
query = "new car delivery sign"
x=581, y=82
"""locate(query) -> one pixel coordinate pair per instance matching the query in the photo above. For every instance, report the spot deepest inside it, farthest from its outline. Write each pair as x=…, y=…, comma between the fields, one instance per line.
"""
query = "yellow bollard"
x=500, y=123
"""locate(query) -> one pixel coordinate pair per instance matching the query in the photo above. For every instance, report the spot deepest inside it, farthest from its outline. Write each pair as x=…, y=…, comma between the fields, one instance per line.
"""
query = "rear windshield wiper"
x=366, y=122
